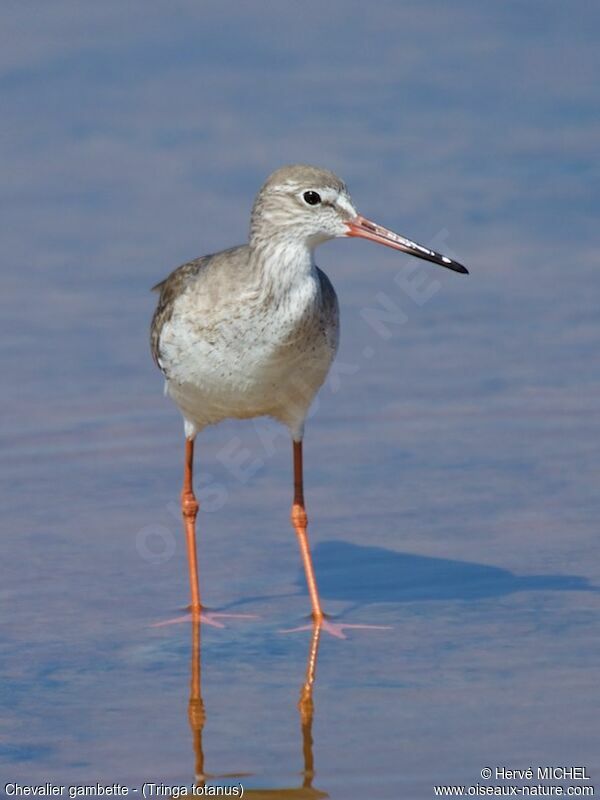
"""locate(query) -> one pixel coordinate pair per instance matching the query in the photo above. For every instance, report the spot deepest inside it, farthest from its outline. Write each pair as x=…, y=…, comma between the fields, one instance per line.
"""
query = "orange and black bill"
x=360, y=226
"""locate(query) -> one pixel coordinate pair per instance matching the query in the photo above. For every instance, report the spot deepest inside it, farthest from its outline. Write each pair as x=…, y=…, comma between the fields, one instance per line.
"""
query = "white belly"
x=254, y=360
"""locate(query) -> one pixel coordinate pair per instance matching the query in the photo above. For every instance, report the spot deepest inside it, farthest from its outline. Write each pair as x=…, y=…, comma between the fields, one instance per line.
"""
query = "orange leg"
x=189, y=509
x=300, y=522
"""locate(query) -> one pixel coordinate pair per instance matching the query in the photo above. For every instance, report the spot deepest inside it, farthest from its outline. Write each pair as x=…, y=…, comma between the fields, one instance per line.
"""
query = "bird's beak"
x=359, y=226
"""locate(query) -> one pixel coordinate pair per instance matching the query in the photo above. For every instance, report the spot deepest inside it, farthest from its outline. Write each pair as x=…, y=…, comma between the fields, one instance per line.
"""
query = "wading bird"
x=252, y=331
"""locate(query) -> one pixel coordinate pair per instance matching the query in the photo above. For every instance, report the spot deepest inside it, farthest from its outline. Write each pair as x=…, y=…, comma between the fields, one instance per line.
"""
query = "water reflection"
x=197, y=720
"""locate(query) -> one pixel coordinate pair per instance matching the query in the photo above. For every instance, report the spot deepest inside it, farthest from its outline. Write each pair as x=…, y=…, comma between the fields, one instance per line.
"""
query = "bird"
x=252, y=331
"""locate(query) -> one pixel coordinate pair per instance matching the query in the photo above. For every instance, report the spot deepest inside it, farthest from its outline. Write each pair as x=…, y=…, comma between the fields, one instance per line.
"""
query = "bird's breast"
x=253, y=339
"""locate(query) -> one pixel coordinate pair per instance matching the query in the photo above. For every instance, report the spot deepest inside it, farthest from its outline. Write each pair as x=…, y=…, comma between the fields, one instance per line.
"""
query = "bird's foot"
x=204, y=616
x=335, y=629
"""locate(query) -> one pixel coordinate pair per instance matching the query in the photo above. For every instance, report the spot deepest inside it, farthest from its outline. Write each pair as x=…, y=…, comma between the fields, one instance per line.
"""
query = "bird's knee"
x=298, y=516
x=189, y=505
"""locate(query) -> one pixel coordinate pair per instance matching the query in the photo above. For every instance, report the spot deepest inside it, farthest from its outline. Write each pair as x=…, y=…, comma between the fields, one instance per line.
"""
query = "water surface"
x=452, y=461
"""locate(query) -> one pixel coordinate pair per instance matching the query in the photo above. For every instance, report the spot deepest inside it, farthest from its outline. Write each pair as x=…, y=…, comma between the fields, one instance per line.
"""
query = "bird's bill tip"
x=365, y=229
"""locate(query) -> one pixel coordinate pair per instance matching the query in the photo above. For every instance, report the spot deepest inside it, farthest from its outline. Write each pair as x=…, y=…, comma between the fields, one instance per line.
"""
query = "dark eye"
x=312, y=198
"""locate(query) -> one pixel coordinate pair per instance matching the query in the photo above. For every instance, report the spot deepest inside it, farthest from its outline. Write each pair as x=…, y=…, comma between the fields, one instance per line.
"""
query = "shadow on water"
x=197, y=720
x=362, y=575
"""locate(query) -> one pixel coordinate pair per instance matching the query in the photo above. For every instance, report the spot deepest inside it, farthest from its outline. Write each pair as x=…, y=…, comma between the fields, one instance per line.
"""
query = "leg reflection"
x=197, y=719
x=196, y=712
x=306, y=707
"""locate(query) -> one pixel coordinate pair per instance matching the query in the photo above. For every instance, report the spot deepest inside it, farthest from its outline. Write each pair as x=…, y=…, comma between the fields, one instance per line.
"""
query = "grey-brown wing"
x=210, y=273
x=331, y=311
x=172, y=286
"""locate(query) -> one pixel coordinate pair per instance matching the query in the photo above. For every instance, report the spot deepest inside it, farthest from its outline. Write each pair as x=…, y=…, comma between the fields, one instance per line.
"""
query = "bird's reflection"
x=196, y=713
x=197, y=719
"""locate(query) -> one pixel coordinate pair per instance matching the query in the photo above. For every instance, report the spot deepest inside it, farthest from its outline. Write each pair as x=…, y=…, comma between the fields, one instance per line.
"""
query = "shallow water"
x=452, y=461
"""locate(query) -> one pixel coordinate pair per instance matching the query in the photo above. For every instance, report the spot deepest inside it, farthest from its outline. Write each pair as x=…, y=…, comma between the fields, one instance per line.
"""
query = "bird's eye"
x=312, y=198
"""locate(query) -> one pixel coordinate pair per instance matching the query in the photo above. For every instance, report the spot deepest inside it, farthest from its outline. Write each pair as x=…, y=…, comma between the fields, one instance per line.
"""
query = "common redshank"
x=252, y=331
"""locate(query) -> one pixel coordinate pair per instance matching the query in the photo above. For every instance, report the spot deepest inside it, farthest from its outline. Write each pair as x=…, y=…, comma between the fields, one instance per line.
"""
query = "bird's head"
x=301, y=203
x=304, y=205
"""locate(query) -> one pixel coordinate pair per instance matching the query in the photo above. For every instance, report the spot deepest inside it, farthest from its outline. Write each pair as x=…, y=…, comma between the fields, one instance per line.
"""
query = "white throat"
x=286, y=265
